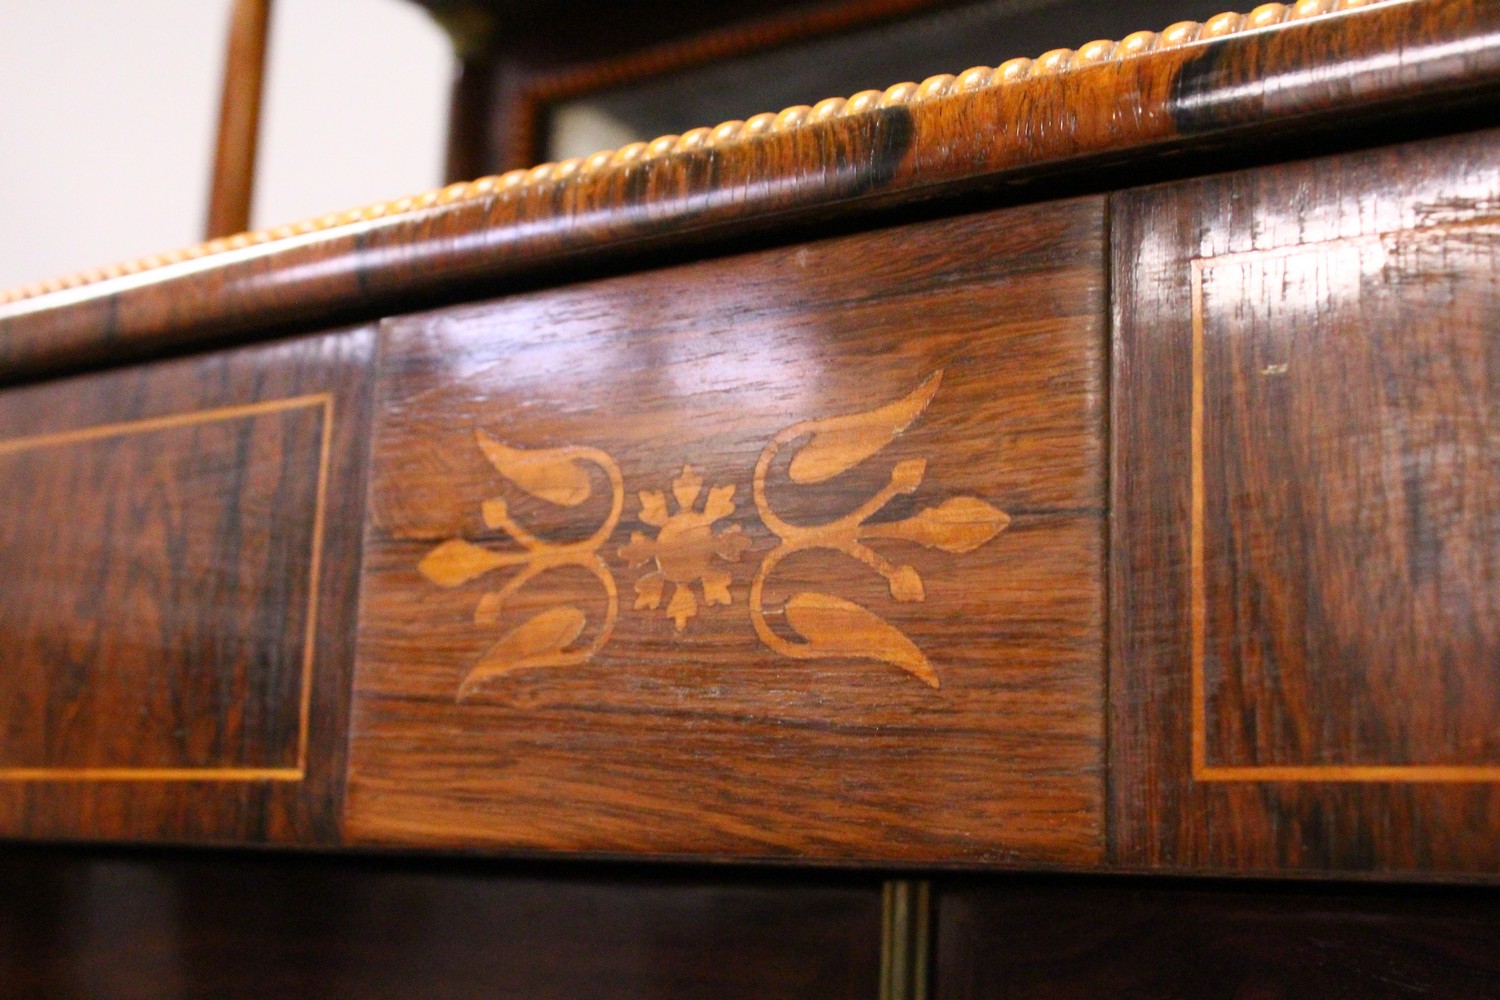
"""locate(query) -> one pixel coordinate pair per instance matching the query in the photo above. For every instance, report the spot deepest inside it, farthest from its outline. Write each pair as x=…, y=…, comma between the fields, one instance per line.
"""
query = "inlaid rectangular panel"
x=790, y=554
x=1309, y=498
x=139, y=514
x=179, y=547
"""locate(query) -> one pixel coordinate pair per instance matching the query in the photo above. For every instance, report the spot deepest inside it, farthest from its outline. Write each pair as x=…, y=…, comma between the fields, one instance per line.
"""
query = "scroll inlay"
x=686, y=550
x=831, y=626
x=559, y=476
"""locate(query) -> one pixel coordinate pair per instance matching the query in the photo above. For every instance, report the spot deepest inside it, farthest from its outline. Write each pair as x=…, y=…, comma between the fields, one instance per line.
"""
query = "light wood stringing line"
x=309, y=647
x=1198, y=613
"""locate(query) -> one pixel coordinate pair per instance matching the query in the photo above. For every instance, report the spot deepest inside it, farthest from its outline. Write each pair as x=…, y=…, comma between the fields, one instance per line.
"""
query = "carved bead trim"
x=728, y=133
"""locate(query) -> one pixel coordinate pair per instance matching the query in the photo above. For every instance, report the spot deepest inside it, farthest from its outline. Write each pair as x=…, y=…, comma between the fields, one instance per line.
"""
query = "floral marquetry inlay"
x=692, y=553
x=685, y=547
x=558, y=476
x=830, y=626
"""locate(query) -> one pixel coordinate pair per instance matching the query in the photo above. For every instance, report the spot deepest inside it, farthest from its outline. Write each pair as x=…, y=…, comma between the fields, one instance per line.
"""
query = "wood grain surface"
x=1230, y=79
x=145, y=522
x=233, y=926
x=181, y=544
x=792, y=554
x=1144, y=939
x=1306, y=496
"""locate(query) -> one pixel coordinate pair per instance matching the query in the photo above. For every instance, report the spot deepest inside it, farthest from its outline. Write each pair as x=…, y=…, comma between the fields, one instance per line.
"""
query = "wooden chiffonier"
x=1034, y=533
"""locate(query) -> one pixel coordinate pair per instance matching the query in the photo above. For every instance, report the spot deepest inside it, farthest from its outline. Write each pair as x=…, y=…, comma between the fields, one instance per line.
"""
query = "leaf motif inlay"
x=832, y=626
x=840, y=443
x=539, y=642
x=558, y=476
x=551, y=474
x=686, y=544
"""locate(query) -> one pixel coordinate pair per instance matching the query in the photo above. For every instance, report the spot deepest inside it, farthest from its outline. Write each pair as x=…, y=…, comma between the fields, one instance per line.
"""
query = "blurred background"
x=109, y=109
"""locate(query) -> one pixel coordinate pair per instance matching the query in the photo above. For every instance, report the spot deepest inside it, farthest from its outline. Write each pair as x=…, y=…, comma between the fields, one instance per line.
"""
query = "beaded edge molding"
x=728, y=133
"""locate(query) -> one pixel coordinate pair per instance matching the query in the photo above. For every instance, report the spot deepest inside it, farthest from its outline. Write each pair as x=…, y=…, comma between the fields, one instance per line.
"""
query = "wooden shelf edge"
x=1229, y=76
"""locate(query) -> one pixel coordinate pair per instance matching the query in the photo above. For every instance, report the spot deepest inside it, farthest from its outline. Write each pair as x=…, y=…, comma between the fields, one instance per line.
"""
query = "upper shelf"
x=1230, y=77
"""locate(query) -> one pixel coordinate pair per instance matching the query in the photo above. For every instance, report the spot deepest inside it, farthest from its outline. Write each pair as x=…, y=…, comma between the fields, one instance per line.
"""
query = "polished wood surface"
x=764, y=556
x=159, y=926
x=774, y=494
x=1142, y=939
x=1306, y=619
x=1232, y=78
x=233, y=182
x=167, y=504
x=181, y=543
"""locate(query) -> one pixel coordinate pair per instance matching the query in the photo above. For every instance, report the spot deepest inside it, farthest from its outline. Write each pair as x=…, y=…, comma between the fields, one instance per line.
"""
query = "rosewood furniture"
x=1025, y=533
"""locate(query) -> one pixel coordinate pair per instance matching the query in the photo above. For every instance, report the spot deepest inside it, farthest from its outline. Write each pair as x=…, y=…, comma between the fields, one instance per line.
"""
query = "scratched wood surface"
x=792, y=554
x=1306, y=614
x=180, y=544
x=1234, y=79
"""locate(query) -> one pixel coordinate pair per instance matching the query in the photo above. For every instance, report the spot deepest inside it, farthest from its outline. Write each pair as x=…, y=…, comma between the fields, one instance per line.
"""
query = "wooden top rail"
x=1234, y=75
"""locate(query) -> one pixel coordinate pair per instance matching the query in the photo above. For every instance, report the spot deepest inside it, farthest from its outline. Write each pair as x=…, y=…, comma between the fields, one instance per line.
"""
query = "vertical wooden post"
x=233, y=180
x=474, y=99
x=468, y=120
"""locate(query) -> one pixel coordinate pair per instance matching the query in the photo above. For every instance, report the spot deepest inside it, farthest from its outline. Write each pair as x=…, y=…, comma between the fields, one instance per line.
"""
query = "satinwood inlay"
x=950, y=386
x=686, y=549
x=560, y=477
x=830, y=626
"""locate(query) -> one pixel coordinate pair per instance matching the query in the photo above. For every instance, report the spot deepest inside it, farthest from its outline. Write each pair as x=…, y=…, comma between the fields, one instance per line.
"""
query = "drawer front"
x=179, y=546
x=790, y=554
x=1307, y=673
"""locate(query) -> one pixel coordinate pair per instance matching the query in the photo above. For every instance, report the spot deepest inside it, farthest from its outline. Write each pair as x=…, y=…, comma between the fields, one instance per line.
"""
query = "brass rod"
x=906, y=934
